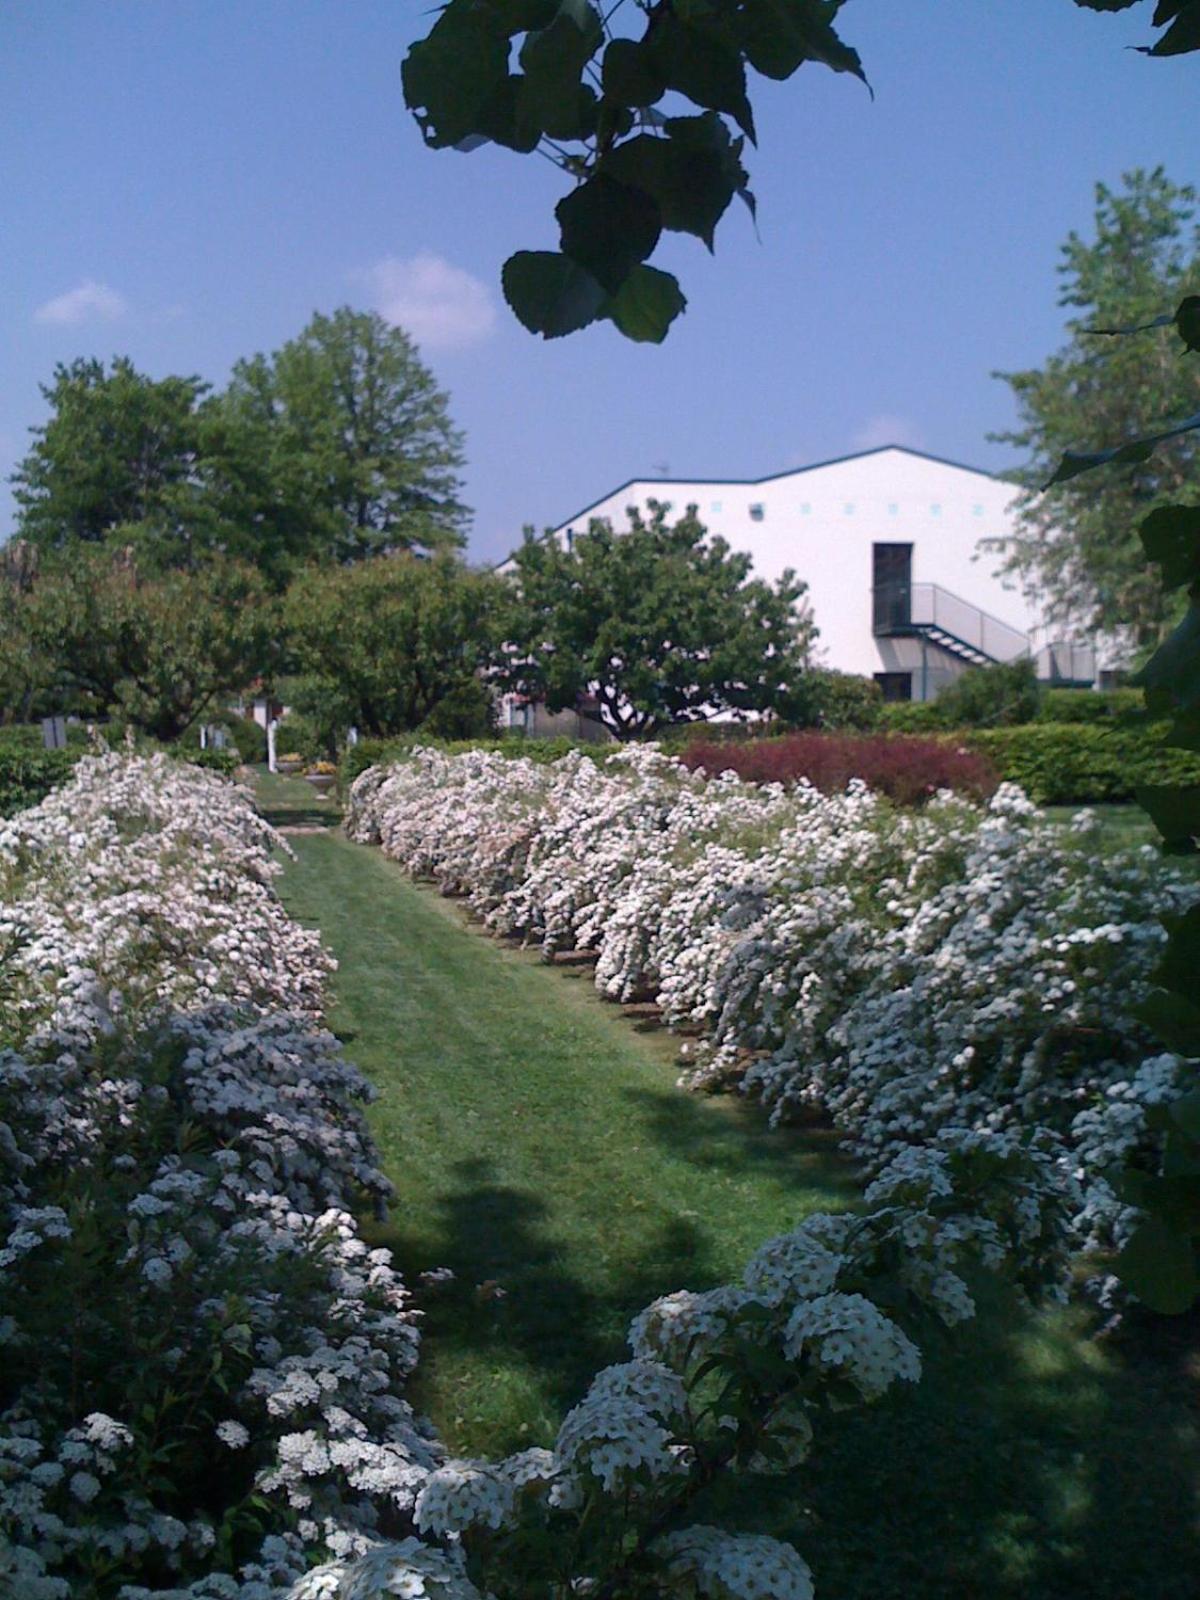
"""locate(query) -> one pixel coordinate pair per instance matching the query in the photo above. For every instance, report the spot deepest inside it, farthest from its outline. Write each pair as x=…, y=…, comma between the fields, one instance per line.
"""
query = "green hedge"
x=1083, y=763
x=27, y=776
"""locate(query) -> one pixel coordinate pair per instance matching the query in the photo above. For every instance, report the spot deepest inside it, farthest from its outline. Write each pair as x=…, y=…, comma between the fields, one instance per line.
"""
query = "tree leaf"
x=1173, y=671
x=551, y=294
x=630, y=75
x=701, y=64
x=1173, y=1018
x=1171, y=537
x=693, y=173
x=608, y=228
x=1175, y=812
x=780, y=35
x=452, y=76
x=1182, y=36
x=1159, y=1265
x=1075, y=462
x=646, y=305
x=1187, y=321
x=553, y=59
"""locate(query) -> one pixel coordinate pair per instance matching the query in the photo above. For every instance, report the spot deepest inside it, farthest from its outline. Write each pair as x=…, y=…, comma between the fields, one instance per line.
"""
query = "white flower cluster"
x=902, y=971
x=181, y=1150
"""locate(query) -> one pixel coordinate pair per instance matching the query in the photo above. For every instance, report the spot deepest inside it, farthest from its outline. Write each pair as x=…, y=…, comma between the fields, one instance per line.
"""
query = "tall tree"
x=157, y=649
x=1079, y=547
x=661, y=624
x=119, y=448
x=343, y=441
x=386, y=645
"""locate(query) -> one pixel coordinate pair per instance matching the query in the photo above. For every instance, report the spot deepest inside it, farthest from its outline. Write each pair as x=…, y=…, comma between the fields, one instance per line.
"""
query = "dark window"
x=891, y=586
x=895, y=685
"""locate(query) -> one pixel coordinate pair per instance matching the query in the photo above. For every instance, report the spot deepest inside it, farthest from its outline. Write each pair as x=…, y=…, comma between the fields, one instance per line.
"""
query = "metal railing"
x=1063, y=661
x=907, y=608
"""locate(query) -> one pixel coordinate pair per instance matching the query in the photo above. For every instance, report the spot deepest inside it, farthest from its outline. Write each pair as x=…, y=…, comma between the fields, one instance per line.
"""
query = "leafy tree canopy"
x=156, y=650
x=341, y=442
x=337, y=446
x=389, y=645
x=119, y=448
x=1077, y=547
x=661, y=624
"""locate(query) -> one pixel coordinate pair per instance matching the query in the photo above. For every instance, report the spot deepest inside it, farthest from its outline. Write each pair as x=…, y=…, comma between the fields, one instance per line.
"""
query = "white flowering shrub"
x=900, y=971
x=736, y=1379
x=202, y=1366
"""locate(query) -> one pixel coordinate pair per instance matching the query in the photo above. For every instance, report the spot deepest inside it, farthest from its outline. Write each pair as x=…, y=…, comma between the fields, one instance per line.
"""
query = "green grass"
x=537, y=1142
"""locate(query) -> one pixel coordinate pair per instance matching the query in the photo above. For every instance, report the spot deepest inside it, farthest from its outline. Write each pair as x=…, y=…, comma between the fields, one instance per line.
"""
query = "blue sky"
x=186, y=183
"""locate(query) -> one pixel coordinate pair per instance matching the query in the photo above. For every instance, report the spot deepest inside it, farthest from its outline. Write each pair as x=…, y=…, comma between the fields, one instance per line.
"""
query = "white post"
x=204, y=736
x=351, y=738
x=271, y=726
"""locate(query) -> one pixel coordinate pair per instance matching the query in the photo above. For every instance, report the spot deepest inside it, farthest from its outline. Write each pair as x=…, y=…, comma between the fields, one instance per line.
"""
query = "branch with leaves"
x=589, y=98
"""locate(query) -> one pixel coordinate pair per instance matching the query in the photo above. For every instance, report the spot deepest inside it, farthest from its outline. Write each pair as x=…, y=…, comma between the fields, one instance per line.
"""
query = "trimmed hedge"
x=1084, y=763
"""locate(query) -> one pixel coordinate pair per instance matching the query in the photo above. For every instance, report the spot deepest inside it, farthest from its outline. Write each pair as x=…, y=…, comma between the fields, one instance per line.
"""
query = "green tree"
x=661, y=624
x=1077, y=543
x=156, y=650
x=119, y=448
x=387, y=645
x=339, y=445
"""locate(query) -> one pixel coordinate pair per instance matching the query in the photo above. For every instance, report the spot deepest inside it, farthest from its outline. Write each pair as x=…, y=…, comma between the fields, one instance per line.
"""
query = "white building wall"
x=823, y=520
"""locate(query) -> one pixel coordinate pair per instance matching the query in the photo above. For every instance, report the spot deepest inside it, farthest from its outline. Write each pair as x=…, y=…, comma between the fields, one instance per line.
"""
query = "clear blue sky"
x=186, y=183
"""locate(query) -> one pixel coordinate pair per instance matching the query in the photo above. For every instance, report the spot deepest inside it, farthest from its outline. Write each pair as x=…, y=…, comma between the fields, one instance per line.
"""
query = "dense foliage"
x=1084, y=763
x=337, y=445
x=387, y=645
x=1077, y=544
x=659, y=624
x=907, y=770
x=155, y=649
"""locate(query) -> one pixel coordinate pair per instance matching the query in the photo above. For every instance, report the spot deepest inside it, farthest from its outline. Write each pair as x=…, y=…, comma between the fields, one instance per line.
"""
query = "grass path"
x=539, y=1146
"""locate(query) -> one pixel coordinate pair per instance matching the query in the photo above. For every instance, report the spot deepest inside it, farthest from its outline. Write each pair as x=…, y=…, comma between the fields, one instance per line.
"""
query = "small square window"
x=935, y=510
x=893, y=509
x=757, y=511
x=716, y=506
x=976, y=511
x=848, y=508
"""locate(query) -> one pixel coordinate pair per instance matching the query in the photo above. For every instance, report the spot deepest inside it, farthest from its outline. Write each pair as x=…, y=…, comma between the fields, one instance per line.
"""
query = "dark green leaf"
x=1185, y=1113
x=553, y=59
x=630, y=75
x=451, y=77
x=1165, y=321
x=1174, y=1019
x=608, y=228
x=1159, y=1265
x=646, y=305
x=1187, y=321
x=551, y=294
x=701, y=64
x=1171, y=536
x=1182, y=36
x=780, y=35
x=1135, y=450
x=1175, y=812
x=1171, y=677
x=1179, y=969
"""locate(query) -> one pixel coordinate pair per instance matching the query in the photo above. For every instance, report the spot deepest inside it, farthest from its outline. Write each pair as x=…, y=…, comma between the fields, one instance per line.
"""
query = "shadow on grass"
x=1028, y=1464
x=545, y=1320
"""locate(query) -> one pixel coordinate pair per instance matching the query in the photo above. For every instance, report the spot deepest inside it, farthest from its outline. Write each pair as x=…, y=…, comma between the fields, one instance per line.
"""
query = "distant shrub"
x=1086, y=705
x=1082, y=764
x=908, y=770
x=910, y=716
x=466, y=712
x=835, y=700
x=1000, y=696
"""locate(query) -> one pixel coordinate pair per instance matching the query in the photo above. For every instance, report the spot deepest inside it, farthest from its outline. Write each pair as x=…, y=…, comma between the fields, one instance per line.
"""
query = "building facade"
x=893, y=545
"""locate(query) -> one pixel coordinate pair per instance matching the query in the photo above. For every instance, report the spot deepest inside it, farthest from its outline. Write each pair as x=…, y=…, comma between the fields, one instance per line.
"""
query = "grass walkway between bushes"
x=540, y=1148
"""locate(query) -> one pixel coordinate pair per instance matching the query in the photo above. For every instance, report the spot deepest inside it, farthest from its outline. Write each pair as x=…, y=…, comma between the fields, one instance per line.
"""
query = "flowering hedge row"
x=201, y=1364
x=901, y=971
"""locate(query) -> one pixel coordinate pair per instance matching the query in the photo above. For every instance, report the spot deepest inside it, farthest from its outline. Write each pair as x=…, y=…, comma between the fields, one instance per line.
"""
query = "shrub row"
x=908, y=770
x=1084, y=763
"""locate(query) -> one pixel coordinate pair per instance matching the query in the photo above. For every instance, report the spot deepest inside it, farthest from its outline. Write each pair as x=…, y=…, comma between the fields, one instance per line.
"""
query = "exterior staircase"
x=927, y=611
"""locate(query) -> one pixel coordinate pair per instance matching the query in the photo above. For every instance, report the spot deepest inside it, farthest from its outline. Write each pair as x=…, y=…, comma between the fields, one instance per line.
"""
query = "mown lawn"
x=539, y=1147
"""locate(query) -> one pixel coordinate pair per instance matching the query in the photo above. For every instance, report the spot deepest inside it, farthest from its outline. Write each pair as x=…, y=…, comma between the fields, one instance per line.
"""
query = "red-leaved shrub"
x=908, y=770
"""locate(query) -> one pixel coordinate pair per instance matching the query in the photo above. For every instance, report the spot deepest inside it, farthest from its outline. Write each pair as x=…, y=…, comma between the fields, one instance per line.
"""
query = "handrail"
x=901, y=606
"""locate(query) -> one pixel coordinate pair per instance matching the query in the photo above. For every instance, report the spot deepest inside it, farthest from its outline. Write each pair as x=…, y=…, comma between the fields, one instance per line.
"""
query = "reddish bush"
x=907, y=769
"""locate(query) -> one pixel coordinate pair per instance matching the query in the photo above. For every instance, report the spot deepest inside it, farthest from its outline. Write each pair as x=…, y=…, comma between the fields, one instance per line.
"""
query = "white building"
x=888, y=541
